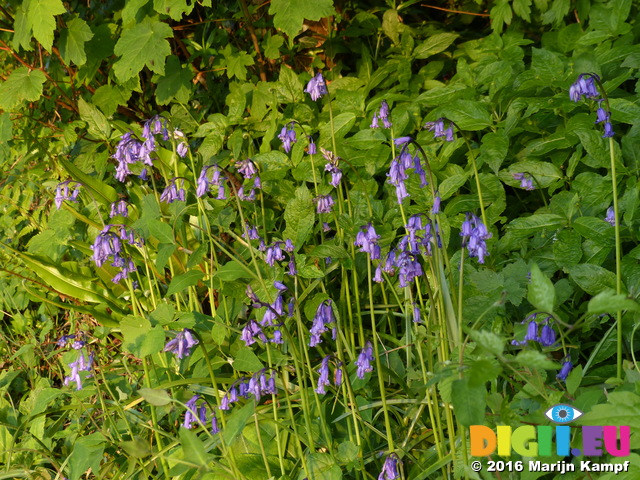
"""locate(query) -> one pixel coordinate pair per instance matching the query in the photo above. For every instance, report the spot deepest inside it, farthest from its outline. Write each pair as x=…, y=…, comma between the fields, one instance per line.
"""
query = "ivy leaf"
x=41, y=15
x=72, y=40
x=21, y=85
x=289, y=15
x=176, y=84
x=143, y=44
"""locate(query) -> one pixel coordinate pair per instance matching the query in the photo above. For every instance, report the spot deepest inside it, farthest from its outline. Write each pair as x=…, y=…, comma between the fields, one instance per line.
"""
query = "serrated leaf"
x=97, y=123
x=142, y=45
x=289, y=15
x=176, y=84
x=488, y=340
x=434, y=44
x=174, y=8
x=593, y=279
x=72, y=40
x=299, y=216
x=608, y=301
x=622, y=408
x=41, y=15
x=109, y=97
x=237, y=62
x=541, y=293
x=21, y=29
x=321, y=467
x=468, y=402
x=87, y=454
x=567, y=248
x=184, y=280
x=155, y=396
x=595, y=229
x=21, y=85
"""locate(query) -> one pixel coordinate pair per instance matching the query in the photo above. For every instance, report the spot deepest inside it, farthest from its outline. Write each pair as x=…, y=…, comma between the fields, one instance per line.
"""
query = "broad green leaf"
x=567, y=248
x=488, y=340
x=97, y=123
x=391, y=25
x=237, y=62
x=501, y=14
x=289, y=88
x=72, y=40
x=139, y=338
x=541, y=293
x=595, y=229
x=41, y=15
x=109, y=97
x=21, y=85
x=299, y=216
x=574, y=379
x=155, y=396
x=272, y=47
x=441, y=95
x=494, y=149
x=184, y=280
x=142, y=45
x=165, y=250
x=434, y=44
x=273, y=165
x=321, y=467
x=544, y=173
x=468, y=114
x=522, y=8
x=525, y=226
x=193, y=447
x=289, y=15
x=232, y=271
x=22, y=29
x=237, y=421
x=100, y=191
x=535, y=359
x=622, y=408
x=247, y=361
x=161, y=230
x=174, y=8
x=593, y=279
x=341, y=125
x=468, y=402
x=176, y=84
x=87, y=454
x=608, y=301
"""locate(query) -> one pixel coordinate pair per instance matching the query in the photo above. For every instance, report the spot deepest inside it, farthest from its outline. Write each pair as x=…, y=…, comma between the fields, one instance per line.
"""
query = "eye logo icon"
x=563, y=413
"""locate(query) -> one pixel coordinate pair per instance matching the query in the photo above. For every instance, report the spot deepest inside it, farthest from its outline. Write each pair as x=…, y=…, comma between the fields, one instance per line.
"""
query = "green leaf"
x=247, y=361
x=321, y=467
x=140, y=45
x=184, y=280
x=500, y=14
x=72, y=40
x=109, y=97
x=608, y=301
x=468, y=114
x=574, y=379
x=541, y=293
x=273, y=165
x=488, y=340
x=176, y=84
x=526, y=226
x=87, y=454
x=567, y=248
x=193, y=447
x=468, y=402
x=160, y=230
x=100, y=191
x=434, y=44
x=494, y=149
x=155, y=396
x=341, y=125
x=391, y=25
x=622, y=408
x=174, y=8
x=41, y=15
x=593, y=279
x=289, y=15
x=237, y=62
x=237, y=421
x=272, y=48
x=522, y=8
x=139, y=338
x=299, y=216
x=289, y=88
x=535, y=359
x=21, y=85
x=232, y=271
x=595, y=229
x=165, y=250
x=22, y=29
x=97, y=123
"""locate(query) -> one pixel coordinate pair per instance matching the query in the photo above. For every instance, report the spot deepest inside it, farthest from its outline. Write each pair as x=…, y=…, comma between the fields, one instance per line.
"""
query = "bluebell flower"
x=215, y=428
x=323, y=380
x=332, y=167
x=324, y=203
x=608, y=130
x=289, y=246
x=438, y=129
x=436, y=205
x=181, y=345
x=311, y=148
x=62, y=192
x=251, y=331
x=192, y=414
x=274, y=253
x=585, y=86
x=526, y=180
x=611, y=217
x=287, y=136
x=316, y=87
x=547, y=335
x=565, y=370
x=172, y=193
x=402, y=141
x=474, y=233
x=367, y=240
x=119, y=208
x=532, y=332
x=416, y=313
x=322, y=318
x=390, y=468
x=291, y=267
x=364, y=360
x=247, y=168
x=130, y=150
x=382, y=114
x=82, y=363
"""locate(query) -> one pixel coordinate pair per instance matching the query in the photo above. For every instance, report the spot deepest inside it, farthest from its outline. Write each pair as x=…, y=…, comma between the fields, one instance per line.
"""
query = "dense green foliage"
x=208, y=85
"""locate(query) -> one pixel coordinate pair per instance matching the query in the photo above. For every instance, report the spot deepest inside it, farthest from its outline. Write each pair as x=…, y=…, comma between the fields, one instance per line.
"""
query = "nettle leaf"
x=72, y=40
x=469, y=402
x=608, y=301
x=21, y=85
x=289, y=15
x=41, y=15
x=143, y=44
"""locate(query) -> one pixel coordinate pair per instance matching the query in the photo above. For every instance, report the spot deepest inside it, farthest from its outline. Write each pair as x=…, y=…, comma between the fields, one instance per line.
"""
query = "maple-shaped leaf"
x=289, y=15
x=72, y=40
x=143, y=44
x=41, y=16
x=21, y=85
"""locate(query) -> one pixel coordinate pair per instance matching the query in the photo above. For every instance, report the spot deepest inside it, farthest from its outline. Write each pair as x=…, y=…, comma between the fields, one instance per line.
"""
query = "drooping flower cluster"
x=399, y=166
x=381, y=114
x=323, y=379
x=109, y=244
x=545, y=336
x=390, y=468
x=268, y=329
x=367, y=240
x=610, y=218
x=258, y=385
x=288, y=136
x=173, y=192
x=63, y=193
x=210, y=175
x=474, y=235
x=119, y=208
x=526, y=180
x=438, y=129
x=405, y=256
x=586, y=86
x=316, y=87
x=566, y=368
x=274, y=253
x=197, y=415
x=321, y=320
x=182, y=147
x=249, y=171
x=364, y=360
x=82, y=363
x=182, y=344
x=324, y=203
x=332, y=167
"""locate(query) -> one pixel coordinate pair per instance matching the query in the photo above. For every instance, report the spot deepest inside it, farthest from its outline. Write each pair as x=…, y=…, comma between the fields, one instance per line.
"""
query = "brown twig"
x=455, y=11
x=254, y=39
